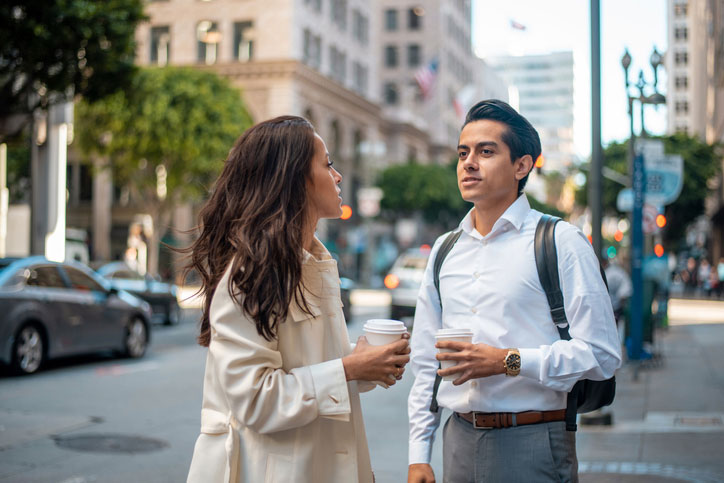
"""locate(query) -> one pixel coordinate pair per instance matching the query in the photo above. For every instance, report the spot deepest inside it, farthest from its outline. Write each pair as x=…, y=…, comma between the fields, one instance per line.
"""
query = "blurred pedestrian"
x=281, y=398
x=720, y=276
x=690, y=276
x=619, y=290
x=704, y=283
x=508, y=396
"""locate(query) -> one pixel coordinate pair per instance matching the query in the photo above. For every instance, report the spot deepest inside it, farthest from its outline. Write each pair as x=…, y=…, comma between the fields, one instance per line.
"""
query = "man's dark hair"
x=521, y=137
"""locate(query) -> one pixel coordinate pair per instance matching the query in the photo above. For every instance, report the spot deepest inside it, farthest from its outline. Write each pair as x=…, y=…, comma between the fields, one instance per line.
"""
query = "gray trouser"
x=534, y=452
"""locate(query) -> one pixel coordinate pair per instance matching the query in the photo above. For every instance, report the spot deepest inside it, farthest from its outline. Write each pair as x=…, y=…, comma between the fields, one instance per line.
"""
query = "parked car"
x=404, y=280
x=54, y=309
x=162, y=296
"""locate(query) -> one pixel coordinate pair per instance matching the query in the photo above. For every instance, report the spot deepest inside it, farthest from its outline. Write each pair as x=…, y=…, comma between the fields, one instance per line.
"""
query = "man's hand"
x=473, y=360
x=420, y=473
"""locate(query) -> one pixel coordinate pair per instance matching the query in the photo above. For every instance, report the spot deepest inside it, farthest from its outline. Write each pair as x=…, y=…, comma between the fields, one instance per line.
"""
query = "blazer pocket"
x=298, y=314
x=279, y=469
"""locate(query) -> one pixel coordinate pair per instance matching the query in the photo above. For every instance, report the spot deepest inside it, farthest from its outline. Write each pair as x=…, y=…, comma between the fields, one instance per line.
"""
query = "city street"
x=112, y=420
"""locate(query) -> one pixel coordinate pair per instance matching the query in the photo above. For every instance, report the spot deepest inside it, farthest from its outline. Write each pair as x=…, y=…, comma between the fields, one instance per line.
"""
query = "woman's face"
x=322, y=189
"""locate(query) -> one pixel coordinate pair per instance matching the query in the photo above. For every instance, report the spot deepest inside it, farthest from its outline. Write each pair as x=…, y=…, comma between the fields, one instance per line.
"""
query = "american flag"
x=426, y=76
x=516, y=25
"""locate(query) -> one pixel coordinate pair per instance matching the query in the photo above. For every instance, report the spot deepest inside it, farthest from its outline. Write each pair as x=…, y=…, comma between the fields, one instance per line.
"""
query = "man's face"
x=486, y=174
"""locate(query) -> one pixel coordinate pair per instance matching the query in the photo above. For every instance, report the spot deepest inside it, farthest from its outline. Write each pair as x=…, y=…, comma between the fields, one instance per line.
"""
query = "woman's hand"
x=384, y=363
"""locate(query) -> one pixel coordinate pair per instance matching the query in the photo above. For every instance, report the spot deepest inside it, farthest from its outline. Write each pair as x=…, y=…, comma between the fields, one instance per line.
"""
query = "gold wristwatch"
x=512, y=362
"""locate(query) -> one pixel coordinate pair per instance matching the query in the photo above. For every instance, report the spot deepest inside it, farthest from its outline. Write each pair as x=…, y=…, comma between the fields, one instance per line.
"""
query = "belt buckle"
x=475, y=422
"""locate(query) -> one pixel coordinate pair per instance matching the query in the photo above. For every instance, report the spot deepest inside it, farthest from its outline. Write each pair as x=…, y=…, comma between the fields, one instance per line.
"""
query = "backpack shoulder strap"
x=546, y=260
x=445, y=248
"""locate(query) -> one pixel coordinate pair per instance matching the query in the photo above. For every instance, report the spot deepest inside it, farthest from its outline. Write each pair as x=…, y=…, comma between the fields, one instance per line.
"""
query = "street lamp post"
x=638, y=184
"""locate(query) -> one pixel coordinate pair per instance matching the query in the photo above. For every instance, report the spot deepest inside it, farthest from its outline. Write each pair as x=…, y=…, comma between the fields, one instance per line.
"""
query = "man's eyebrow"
x=481, y=144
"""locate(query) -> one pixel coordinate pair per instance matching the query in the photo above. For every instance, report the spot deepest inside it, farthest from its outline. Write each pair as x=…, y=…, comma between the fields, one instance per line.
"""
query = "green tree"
x=701, y=163
x=427, y=189
x=58, y=48
x=174, y=123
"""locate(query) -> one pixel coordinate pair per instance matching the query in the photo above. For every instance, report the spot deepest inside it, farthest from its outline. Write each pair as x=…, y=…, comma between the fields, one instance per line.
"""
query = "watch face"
x=513, y=362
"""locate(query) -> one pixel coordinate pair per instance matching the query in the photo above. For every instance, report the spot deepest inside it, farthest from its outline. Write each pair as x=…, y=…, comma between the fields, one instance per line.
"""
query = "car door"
x=97, y=328
x=45, y=284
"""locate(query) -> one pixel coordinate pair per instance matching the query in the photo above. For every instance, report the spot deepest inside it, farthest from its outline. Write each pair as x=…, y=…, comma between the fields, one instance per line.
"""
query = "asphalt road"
x=102, y=419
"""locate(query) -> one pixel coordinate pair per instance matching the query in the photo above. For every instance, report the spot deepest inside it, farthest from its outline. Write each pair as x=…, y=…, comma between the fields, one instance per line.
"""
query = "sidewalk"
x=668, y=421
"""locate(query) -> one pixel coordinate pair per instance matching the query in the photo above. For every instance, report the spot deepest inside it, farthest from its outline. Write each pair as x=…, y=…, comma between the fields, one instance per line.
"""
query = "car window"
x=415, y=263
x=126, y=275
x=45, y=276
x=81, y=281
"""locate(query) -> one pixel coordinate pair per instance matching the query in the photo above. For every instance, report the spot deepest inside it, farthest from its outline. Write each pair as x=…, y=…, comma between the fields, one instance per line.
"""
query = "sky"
x=560, y=25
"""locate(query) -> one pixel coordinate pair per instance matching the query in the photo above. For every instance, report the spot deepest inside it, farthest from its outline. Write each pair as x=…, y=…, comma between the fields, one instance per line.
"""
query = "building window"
x=360, y=27
x=208, y=38
x=360, y=77
x=338, y=64
x=391, y=56
x=243, y=41
x=312, y=49
x=414, y=56
x=160, y=45
x=414, y=18
x=339, y=13
x=681, y=33
x=390, y=19
x=681, y=107
x=682, y=128
x=390, y=93
x=681, y=58
x=681, y=82
x=680, y=9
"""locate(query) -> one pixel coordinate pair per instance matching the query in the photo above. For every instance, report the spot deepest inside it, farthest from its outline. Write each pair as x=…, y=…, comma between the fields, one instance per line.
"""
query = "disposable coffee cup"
x=383, y=331
x=455, y=335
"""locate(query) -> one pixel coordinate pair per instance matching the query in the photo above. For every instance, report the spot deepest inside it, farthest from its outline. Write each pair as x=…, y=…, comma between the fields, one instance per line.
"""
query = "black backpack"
x=586, y=395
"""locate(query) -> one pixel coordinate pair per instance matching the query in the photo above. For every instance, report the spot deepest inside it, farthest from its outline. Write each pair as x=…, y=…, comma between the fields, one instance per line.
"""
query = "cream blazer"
x=282, y=411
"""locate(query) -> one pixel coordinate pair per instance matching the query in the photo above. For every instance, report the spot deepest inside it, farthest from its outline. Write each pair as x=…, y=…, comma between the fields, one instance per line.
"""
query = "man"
x=489, y=283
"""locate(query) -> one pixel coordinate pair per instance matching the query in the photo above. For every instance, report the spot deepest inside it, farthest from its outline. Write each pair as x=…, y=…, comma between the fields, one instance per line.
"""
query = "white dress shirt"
x=490, y=284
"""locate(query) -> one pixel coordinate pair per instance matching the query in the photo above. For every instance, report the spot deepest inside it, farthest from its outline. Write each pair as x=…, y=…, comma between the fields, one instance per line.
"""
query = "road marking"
x=123, y=369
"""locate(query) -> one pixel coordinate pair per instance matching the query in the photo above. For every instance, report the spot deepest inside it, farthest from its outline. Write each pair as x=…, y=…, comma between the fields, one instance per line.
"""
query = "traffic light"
x=661, y=221
x=539, y=163
x=659, y=250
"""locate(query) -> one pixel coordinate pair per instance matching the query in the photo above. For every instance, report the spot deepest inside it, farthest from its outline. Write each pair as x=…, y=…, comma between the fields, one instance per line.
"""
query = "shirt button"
x=473, y=384
x=474, y=310
x=476, y=274
x=485, y=242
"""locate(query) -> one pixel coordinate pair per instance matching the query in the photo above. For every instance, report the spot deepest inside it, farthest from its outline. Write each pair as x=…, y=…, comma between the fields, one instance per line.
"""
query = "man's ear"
x=523, y=165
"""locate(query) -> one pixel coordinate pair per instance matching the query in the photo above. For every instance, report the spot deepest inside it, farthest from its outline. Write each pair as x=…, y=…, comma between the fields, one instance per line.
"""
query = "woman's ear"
x=523, y=165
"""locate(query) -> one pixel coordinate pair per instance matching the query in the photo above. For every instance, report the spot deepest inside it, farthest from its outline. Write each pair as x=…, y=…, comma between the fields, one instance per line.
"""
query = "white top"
x=490, y=284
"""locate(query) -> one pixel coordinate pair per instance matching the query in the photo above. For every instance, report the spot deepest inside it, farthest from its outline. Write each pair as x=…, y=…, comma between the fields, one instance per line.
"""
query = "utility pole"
x=595, y=197
x=3, y=199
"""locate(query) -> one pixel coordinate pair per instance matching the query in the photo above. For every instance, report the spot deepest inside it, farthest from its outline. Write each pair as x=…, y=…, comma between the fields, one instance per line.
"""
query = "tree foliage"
x=429, y=189
x=701, y=163
x=49, y=49
x=177, y=121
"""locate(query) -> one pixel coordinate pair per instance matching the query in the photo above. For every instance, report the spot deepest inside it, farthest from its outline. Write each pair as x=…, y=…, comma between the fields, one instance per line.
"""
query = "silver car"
x=404, y=280
x=54, y=309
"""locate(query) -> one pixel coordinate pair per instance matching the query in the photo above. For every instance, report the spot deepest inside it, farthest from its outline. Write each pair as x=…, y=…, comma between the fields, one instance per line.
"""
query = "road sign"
x=664, y=176
x=368, y=201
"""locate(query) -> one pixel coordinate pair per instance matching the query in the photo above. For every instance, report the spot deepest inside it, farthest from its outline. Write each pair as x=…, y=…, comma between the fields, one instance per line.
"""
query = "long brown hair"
x=255, y=220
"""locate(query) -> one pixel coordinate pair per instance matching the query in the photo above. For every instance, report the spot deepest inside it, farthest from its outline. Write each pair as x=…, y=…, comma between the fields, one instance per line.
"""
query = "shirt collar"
x=515, y=215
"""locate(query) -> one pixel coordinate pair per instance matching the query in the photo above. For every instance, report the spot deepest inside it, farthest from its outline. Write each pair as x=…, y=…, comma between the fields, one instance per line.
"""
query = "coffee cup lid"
x=451, y=332
x=385, y=326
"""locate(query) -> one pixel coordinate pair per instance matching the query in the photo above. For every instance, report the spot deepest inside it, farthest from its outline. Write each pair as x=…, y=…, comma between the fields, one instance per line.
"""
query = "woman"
x=280, y=401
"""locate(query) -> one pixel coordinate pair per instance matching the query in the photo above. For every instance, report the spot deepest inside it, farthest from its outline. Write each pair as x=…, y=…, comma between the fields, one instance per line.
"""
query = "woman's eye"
x=330, y=164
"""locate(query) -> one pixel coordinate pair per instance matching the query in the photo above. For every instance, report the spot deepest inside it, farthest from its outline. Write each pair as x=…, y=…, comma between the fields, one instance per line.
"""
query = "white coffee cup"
x=383, y=331
x=455, y=335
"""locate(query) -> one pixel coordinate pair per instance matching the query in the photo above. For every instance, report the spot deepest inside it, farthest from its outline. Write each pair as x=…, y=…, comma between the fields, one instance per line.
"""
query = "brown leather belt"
x=507, y=420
